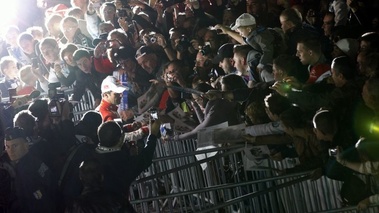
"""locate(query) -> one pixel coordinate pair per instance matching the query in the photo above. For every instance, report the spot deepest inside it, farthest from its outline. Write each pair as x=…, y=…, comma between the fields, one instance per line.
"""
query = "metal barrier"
x=176, y=183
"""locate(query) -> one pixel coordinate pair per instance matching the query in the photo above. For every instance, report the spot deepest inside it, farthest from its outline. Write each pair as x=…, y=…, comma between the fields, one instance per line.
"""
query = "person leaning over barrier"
x=368, y=151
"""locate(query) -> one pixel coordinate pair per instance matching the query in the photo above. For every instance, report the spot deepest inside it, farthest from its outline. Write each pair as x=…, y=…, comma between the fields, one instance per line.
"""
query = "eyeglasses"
x=69, y=29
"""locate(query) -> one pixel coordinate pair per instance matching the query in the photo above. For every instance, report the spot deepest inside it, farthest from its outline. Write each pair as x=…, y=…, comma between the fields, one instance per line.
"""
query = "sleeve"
x=340, y=12
x=212, y=117
x=271, y=128
x=369, y=168
x=70, y=79
x=144, y=159
x=79, y=90
x=266, y=42
x=309, y=101
x=374, y=199
x=92, y=24
x=103, y=65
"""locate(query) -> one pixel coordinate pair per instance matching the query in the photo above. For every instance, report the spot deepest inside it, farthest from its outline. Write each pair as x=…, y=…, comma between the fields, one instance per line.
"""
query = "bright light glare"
x=8, y=13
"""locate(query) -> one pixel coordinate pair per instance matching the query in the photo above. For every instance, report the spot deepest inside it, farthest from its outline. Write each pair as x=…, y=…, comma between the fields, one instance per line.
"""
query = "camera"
x=332, y=152
x=153, y=113
x=213, y=74
x=152, y=37
x=206, y=49
x=56, y=100
x=184, y=44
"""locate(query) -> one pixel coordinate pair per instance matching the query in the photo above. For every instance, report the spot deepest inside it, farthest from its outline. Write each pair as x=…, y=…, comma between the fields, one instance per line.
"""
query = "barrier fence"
x=225, y=181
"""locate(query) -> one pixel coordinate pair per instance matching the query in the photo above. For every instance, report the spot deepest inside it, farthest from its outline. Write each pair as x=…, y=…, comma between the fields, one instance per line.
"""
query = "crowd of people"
x=302, y=75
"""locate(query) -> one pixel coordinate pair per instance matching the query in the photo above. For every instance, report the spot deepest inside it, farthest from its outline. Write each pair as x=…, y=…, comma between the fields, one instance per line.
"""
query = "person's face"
x=69, y=59
x=239, y=63
x=50, y=53
x=118, y=4
x=113, y=98
x=337, y=78
x=69, y=29
x=172, y=72
x=11, y=71
x=303, y=54
x=361, y=63
x=364, y=45
x=327, y=25
x=84, y=64
x=11, y=38
x=109, y=13
x=16, y=149
x=285, y=24
x=148, y=62
x=253, y=7
x=336, y=52
x=128, y=65
x=226, y=64
x=27, y=46
x=228, y=18
x=244, y=31
x=278, y=73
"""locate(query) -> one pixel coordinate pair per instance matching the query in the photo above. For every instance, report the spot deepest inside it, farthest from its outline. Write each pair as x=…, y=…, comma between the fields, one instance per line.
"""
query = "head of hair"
x=91, y=173
x=25, y=36
x=109, y=133
x=369, y=148
x=292, y=66
x=312, y=44
x=12, y=28
x=232, y=82
x=35, y=31
x=26, y=76
x=75, y=12
x=344, y=66
x=373, y=39
x=242, y=50
x=26, y=121
x=256, y=113
x=5, y=61
x=88, y=125
x=203, y=87
x=69, y=19
x=48, y=41
x=68, y=48
x=293, y=16
x=55, y=18
x=277, y=103
x=39, y=108
x=80, y=53
x=325, y=122
x=293, y=118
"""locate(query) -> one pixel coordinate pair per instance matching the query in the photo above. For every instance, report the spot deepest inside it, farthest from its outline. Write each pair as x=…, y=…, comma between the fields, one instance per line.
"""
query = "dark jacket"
x=33, y=186
x=90, y=81
x=121, y=169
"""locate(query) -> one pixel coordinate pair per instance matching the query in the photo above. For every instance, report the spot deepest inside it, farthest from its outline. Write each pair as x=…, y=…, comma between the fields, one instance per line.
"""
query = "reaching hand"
x=213, y=95
x=363, y=205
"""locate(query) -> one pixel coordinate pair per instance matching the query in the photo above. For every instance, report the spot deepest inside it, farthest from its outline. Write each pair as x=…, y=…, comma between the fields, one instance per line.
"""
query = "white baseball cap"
x=110, y=83
x=244, y=20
